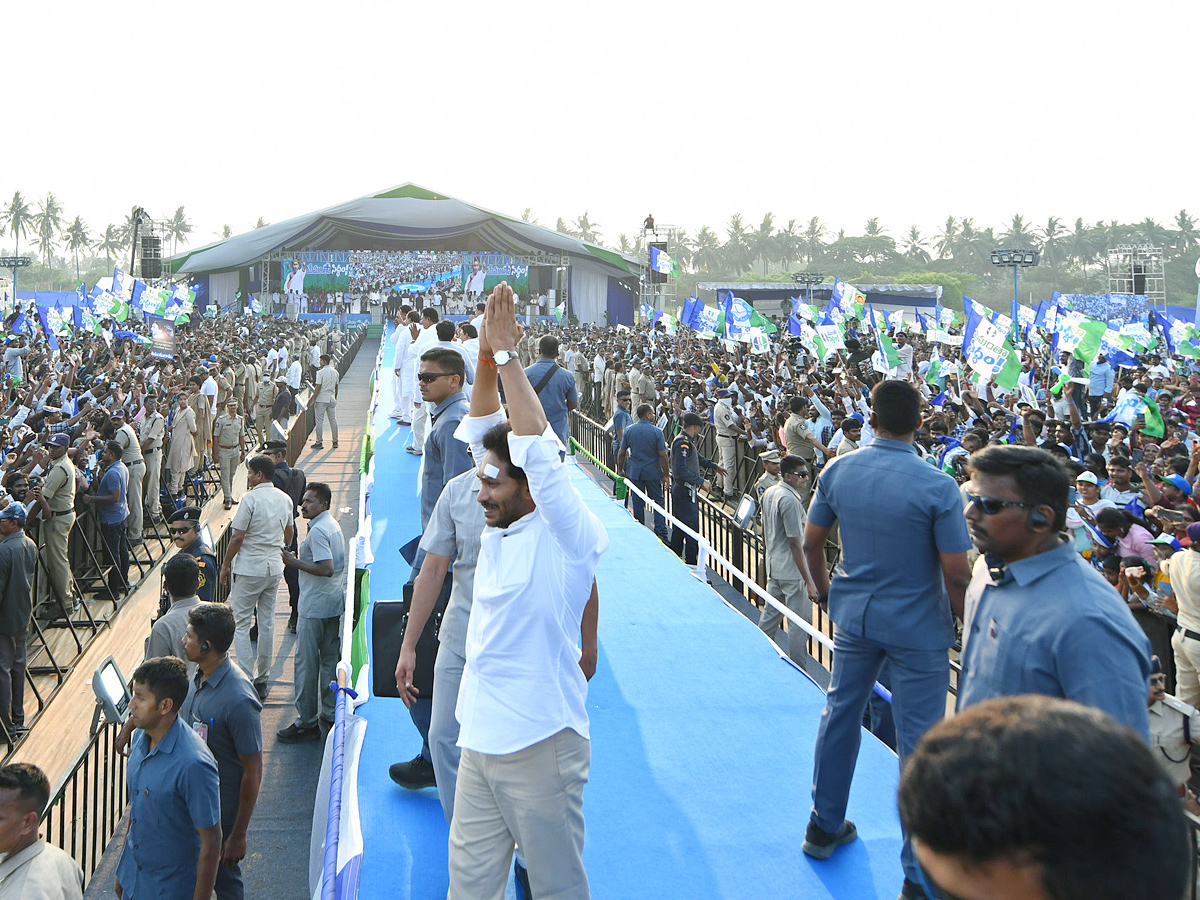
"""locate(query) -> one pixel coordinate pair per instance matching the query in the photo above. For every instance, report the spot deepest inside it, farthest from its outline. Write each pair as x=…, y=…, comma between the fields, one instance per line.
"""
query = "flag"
x=122, y=284
x=1010, y=373
x=931, y=374
x=1154, y=426
x=795, y=325
x=831, y=337
x=1085, y=337
x=51, y=337
x=812, y=340
x=989, y=352
x=663, y=264
x=888, y=350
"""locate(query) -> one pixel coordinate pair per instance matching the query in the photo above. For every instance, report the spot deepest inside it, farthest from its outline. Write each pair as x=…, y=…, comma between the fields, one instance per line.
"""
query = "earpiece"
x=204, y=646
x=1037, y=519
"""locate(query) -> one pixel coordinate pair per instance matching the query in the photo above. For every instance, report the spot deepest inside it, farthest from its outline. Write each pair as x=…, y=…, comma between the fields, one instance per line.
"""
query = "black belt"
x=136, y=462
x=65, y=512
x=1188, y=633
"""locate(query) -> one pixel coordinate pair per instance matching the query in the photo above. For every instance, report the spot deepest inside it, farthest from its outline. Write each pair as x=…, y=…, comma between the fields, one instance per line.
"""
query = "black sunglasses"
x=989, y=506
x=431, y=377
x=183, y=530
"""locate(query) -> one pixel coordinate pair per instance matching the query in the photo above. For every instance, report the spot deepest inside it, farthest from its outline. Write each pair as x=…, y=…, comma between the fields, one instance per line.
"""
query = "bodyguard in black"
x=643, y=460
x=293, y=483
x=223, y=708
x=686, y=462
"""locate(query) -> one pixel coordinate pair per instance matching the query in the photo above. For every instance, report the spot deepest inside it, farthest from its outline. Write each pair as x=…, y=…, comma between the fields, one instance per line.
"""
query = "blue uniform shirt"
x=172, y=792
x=558, y=392
x=897, y=513
x=445, y=455
x=643, y=440
x=1054, y=626
x=621, y=420
x=115, y=477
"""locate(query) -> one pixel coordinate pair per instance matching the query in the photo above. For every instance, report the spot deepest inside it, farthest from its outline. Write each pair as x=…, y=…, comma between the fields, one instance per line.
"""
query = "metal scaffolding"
x=664, y=294
x=1137, y=269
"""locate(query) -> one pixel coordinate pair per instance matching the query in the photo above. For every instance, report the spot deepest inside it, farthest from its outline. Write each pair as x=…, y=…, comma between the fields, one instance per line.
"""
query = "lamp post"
x=808, y=279
x=1018, y=259
x=14, y=263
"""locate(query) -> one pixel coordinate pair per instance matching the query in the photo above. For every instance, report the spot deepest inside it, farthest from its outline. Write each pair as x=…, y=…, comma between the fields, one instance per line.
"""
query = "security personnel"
x=229, y=442
x=293, y=483
x=1174, y=728
x=770, y=476
x=184, y=525
x=620, y=421
x=152, y=434
x=131, y=455
x=643, y=461
x=686, y=462
x=729, y=428
x=264, y=399
x=58, y=491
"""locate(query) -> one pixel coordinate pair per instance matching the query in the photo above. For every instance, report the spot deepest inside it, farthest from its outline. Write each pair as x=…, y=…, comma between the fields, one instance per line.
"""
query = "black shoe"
x=820, y=844
x=294, y=734
x=318, y=446
x=335, y=445
x=292, y=623
x=414, y=774
x=263, y=688
x=912, y=891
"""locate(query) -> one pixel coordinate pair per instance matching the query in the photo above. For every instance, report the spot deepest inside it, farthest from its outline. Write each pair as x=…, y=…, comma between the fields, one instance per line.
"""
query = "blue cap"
x=61, y=439
x=14, y=510
x=1180, y=482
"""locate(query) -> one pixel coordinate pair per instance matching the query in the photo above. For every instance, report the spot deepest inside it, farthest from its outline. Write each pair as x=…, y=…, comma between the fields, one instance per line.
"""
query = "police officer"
x=620, y=421
x=58, y=492
x=293, y=483
x=152, y=434
x=729, y=429
x=643, y=460
x=184, y=525
x=229, y=440
x=686, y=462
x=131, y=455
x=1174, y=727
x=770, y=477
x=263, y=400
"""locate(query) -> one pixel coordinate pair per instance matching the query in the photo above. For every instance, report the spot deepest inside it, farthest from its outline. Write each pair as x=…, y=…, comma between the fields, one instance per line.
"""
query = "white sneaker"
x=395, y=414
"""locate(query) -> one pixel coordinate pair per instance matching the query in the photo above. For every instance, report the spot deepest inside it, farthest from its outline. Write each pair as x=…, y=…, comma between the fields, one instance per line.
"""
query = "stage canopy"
x=410, y=217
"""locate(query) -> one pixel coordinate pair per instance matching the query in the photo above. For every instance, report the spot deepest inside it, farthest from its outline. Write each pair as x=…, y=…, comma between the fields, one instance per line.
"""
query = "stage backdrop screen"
x=483, y=271
x=324, y=271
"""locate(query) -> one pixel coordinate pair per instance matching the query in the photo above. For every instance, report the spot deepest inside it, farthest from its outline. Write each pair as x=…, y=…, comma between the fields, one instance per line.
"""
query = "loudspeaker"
x=1139, y=278
x=151, y=256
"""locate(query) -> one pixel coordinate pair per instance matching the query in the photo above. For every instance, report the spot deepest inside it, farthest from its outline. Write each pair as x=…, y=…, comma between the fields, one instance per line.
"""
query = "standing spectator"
x=261, y=526
x=904, y=568
x=686, y=462
x=174, y=840
x=788, y=578
x=1039, y=619
x=324, y=397
x=229, y=440
x=203, y=404
x=32, y=868
x=135, y=464
x=281, y=409
x=1100, y=385
x=221, y=703
x=57, y=496
x=112, y=511
x=729, y=428
x=181, y=578
x=14, y=358
x=407, y=328
x=322, y=566
x=295, y=376
x=554, y=387
x=643, y=460
x=152, y=433
x=181, y=452
x=18, y=560
x=1091, y=813
x=264, y=401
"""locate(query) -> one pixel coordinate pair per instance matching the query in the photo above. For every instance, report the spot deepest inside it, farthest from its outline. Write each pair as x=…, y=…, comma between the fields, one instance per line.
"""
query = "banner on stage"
x=162, y=338
x=483, y=271
x=325, y=271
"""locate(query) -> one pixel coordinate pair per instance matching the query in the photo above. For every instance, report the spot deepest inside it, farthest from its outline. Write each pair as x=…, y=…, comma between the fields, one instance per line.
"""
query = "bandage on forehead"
x=490, y=471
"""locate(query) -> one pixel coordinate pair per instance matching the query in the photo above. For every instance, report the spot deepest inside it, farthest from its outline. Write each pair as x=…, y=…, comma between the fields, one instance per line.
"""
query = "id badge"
x=201, y=729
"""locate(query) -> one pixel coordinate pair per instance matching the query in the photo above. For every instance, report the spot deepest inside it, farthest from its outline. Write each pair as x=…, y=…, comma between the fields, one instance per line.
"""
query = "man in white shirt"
x=905, y=351
x=209, y=388
x=402, y=380
x=294, y=373
x=31, y=869
x=521, y=707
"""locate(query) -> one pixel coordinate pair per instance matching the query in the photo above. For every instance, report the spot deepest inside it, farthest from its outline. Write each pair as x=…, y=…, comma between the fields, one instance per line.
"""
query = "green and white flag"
x=560, y=311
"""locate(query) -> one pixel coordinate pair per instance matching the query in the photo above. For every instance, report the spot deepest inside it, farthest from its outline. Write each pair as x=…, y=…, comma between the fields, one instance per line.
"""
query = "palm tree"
x=914, y=246
x=762, y=242
x=17, y=217
x=875, y=245
x=738, y=255
x=1052, y=242
x=947, y=241
x=1186, y=237
x=707, y=250
x=563, y=228
x=1153, y=234
x=47, y=225
x=622, y=243
x=77, y=238
x=813, y=243
x=178, y=228
x=111, y=243
x=128, y=227
x=970, y=240
x=587, y=229
x=1020, y=235
x=261, y=223
x=1081, y=247
x=226, y=232
x=683, y=248
x=787, y=244
x=527, y=216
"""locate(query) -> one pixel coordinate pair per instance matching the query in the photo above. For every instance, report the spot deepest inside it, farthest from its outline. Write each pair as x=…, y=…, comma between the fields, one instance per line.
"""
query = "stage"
x=702, y=735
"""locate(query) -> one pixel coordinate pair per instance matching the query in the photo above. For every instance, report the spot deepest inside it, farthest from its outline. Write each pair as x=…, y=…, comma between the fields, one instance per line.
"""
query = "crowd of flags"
x=991, y=341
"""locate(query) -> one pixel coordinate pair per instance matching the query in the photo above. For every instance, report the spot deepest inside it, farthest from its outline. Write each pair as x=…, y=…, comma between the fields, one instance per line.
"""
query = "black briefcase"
x=389, y=619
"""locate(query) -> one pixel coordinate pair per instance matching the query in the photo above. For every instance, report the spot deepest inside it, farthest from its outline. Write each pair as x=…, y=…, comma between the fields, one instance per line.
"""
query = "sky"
x=692, y=111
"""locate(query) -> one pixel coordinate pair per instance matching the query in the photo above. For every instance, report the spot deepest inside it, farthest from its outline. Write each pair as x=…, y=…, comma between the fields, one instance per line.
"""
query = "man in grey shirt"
x=181, y=575
x=18, y=559
x=14, y=358
x=322, y=565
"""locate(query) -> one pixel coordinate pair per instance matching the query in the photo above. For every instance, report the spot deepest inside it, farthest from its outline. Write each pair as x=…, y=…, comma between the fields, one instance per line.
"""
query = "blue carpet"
x=702, y=738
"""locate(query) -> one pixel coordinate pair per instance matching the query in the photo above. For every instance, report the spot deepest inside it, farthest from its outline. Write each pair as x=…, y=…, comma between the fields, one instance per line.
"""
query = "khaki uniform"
x=795, y=433
x=264, y=397
x=1167, y=738
x=202, y=407
x=59, y=492
x=131, y=455
x=225, y=383
x=153, y=433
x=726, y=420
x=228, y=437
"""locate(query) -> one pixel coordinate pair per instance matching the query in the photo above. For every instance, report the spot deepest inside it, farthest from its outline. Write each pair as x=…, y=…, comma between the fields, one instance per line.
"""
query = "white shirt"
x=293, y=375
x=521, y=682
x=209, y=390
x=598, y=369
x=314, y=355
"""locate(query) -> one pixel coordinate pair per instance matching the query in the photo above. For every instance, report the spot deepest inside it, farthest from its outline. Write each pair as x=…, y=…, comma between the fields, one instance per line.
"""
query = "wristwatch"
x=502, y=357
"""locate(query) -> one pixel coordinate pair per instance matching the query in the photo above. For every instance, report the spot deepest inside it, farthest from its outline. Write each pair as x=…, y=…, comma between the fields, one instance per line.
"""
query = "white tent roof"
x=408, y=217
